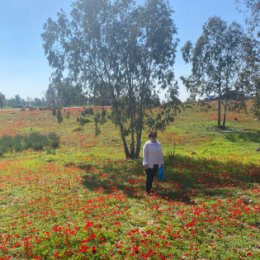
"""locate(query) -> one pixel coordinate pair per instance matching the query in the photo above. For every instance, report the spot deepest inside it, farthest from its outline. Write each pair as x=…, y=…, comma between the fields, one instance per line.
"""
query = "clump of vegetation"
x=57, y=113
x=68, y=114
x=99, y=118
x=34, y=141
x=77, y=129
x=87, y=111
x=82, y=120
x=59, y=116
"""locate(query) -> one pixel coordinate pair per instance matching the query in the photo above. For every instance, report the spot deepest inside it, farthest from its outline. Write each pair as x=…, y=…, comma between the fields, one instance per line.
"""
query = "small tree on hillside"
x=59, y=116
x=64, y=93
x=219, y=63
x=2, y=100
x=125, y=49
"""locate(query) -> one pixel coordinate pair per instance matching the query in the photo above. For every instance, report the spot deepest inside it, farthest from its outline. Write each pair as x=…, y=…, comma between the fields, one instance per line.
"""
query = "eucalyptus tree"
x=52, y=99
x=126, y=49
x=249, y=80
x=252, y=15
x=220, y=62
x=2, y=100
x=256, y=108
x=252, y=12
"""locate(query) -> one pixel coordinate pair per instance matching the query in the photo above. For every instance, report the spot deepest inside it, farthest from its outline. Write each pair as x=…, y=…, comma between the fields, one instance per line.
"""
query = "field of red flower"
x=86, y=202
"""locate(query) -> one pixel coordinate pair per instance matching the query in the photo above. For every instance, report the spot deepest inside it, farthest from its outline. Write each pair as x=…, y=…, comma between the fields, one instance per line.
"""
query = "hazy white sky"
x=24, y=69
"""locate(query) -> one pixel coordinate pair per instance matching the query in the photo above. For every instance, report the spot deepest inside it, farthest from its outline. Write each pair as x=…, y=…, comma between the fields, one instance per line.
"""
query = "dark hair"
x=152, y=134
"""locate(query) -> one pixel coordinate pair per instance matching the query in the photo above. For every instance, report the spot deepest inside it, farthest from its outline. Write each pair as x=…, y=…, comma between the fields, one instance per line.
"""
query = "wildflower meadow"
x=82, y=199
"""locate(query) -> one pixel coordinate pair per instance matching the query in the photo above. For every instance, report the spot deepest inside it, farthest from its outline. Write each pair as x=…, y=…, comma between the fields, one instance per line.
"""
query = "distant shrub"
x=53, y=111
x=87, y=111
x=59, y=116
x=82, y=120
x=188, y=105
x=77, y=129
x=68, y=114
x=50, y=151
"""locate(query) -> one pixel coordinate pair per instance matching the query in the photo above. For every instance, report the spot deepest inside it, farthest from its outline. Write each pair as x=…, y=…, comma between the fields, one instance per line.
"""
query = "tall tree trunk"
x=131, y=101
x=257, y=101
x=121, y=127
x=219, y=111
x=225, y=114
x=127, y=153
x=132, y=130
x=140, y=110
x=227, y=75
x=138, y=143
x=139, y=127
x=132, y=145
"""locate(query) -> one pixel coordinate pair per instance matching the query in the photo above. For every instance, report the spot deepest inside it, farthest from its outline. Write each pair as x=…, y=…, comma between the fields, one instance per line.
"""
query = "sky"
x=24, y=69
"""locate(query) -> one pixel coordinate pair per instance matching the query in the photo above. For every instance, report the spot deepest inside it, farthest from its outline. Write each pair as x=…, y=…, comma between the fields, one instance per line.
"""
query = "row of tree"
x=56, y=96
x=19, y=102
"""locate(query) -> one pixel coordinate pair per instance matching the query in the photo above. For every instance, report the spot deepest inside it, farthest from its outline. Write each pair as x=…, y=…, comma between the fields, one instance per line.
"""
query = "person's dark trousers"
x=150, y=174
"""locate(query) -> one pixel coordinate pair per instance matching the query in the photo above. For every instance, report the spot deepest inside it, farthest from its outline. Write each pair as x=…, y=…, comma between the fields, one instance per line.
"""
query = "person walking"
x=152, y=159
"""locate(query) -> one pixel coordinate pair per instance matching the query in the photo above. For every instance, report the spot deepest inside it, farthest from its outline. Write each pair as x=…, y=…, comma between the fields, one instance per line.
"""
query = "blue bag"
x=161, y=174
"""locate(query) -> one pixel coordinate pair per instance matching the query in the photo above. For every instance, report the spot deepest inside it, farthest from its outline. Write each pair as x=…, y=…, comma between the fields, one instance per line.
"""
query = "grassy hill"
x=85, y=201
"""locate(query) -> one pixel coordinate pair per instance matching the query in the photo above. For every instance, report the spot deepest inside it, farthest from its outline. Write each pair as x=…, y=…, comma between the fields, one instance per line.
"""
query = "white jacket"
x=152, y=154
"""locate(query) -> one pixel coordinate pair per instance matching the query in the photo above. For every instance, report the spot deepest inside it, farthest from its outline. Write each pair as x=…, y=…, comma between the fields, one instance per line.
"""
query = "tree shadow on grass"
x=185, y=178
x=123, y=175
x=248, y=136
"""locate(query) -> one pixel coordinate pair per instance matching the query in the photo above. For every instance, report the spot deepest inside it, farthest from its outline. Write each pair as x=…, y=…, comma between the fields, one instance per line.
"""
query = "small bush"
x=50, y=151
x=188, y=105
x=53, y=111
x=88, y=111
x=77, y=129
x=59, y=116
x=82, y=121
x=68, y=114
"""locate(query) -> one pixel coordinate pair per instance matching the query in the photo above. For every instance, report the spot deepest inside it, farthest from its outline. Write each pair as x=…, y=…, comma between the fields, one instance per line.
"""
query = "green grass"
x=85, y=201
